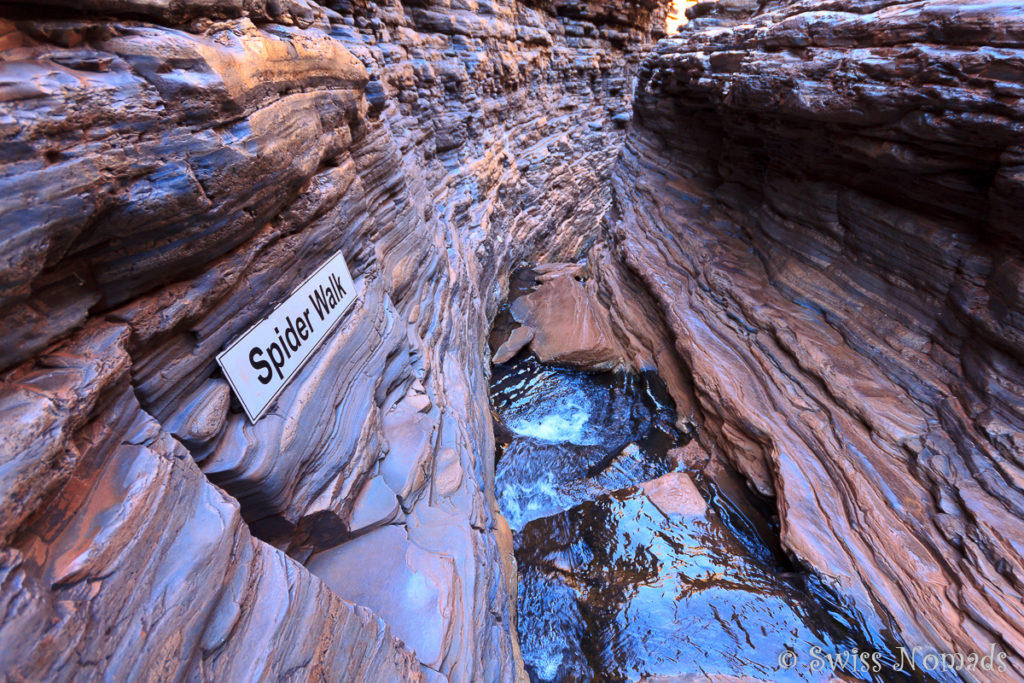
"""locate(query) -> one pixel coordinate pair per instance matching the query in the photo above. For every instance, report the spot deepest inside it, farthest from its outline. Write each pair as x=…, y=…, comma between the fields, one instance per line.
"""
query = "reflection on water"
x=575, y=435
x=656, y=596
x=611, y=588
x=564, y=417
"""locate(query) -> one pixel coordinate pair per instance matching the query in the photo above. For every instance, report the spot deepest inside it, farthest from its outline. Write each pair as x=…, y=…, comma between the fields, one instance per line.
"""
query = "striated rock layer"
x=169, y=171
x=826, y=199
x=823, y=199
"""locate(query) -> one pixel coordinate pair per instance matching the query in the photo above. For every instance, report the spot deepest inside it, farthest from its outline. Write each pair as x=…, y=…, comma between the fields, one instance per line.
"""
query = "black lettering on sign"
x=258, y=364
x=272, y=352
x=319, y=302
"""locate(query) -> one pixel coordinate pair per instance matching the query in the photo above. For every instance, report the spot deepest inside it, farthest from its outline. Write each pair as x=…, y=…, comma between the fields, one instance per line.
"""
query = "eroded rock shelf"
x=803, y=218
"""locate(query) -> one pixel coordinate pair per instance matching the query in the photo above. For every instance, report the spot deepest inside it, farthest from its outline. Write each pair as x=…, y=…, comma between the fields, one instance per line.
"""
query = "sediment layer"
x=811, y=232
x=825, y=199
x=170, y=172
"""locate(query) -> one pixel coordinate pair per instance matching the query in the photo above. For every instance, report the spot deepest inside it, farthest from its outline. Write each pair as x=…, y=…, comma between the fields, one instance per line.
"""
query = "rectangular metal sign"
x=261, y=362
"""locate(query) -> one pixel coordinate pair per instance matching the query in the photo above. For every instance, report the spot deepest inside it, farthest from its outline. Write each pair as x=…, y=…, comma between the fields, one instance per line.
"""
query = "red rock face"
x=675, y=494
x=819, y=206
x=171, y=171
x=827, y=201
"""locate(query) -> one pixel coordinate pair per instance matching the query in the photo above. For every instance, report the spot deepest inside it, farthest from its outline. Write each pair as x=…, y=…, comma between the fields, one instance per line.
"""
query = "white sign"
x=261, y=362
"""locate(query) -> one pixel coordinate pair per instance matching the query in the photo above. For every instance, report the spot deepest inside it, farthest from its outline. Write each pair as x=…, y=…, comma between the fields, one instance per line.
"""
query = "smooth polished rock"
x=823, y=202
x=568, y=326
x=517, y=339
x=172, y=171
x=375, y=506
x=676, y=495
x=203, y=415
x=409, y=434
x=398, y=580
x=137, y=525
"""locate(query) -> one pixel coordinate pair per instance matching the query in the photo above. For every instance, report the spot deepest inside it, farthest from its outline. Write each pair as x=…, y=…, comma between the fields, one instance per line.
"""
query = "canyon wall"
x=822, y=199
x=826, y=198
x=173, y=170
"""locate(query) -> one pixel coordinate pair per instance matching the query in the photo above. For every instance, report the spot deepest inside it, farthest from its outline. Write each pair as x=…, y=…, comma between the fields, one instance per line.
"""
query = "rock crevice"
x=810, y=229
x=172, y=171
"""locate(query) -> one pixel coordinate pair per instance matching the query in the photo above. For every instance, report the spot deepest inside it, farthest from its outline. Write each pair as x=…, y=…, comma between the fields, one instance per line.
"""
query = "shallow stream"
x=611, y=588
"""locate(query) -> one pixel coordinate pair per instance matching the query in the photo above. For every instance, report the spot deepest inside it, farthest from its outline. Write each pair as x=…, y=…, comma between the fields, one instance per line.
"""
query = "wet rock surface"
x=574, y=435
x=626, y=571
x=825, y=198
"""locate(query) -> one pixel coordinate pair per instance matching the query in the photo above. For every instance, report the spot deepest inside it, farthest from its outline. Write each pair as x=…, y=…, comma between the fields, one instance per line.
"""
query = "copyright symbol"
x=787, y=660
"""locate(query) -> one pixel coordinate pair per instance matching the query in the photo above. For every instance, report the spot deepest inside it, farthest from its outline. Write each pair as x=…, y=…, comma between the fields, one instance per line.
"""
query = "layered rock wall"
x=826, y=199
x=171, y=171
x=823, y=199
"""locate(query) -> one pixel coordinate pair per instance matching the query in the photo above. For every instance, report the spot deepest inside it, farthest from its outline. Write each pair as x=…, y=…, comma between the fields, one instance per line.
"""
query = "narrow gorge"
x=683, y=341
